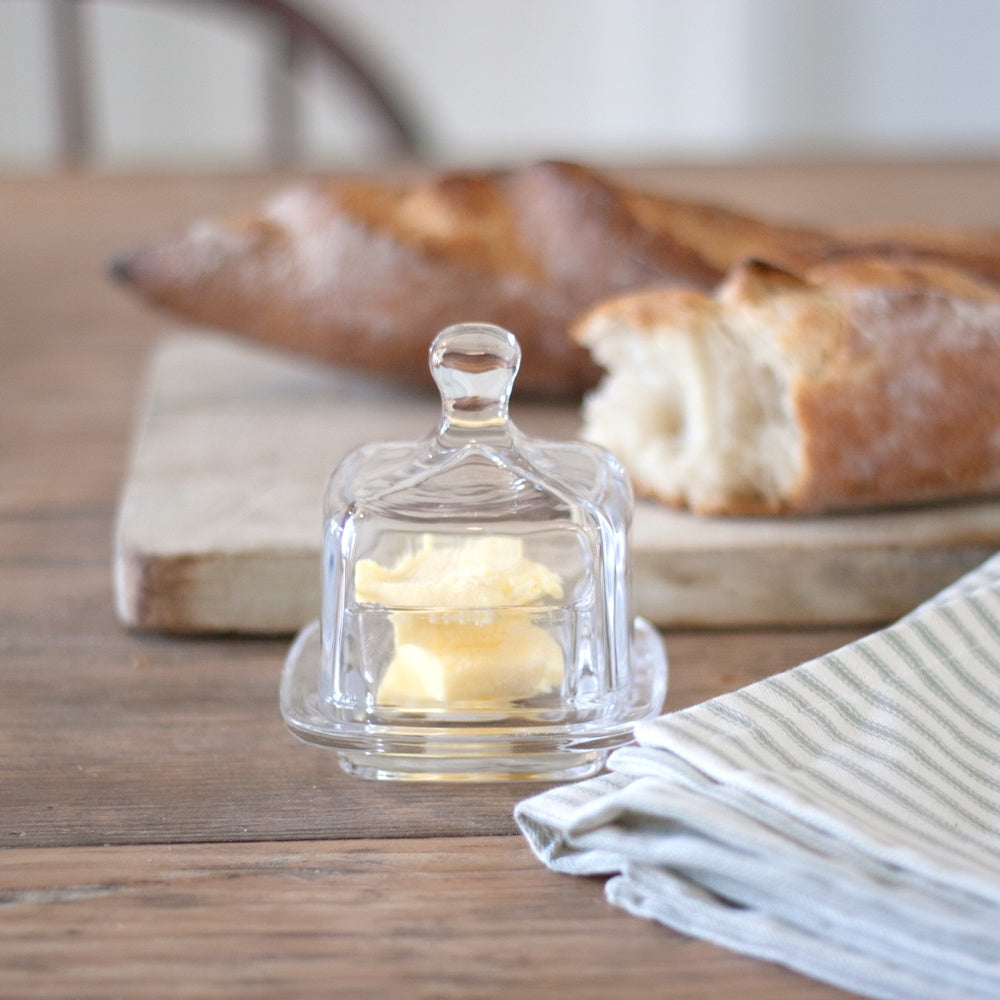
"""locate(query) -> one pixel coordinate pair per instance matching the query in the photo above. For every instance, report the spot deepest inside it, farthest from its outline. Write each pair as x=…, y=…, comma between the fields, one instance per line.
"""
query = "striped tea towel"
x=841, y=818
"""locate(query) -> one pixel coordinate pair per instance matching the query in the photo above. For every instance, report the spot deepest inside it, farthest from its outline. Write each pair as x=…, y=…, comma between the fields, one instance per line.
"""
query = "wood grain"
x=111, y=738
x=358, y=919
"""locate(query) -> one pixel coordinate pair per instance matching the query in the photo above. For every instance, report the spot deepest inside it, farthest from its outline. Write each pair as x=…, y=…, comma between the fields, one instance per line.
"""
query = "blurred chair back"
x=293, y=39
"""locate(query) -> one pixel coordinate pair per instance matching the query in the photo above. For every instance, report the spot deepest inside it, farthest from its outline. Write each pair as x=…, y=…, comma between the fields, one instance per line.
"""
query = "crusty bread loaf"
x=364, y=273
x=867, y=382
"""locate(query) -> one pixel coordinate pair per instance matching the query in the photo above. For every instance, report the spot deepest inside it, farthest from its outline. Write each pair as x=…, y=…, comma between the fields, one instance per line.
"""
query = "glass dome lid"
x=476, y=605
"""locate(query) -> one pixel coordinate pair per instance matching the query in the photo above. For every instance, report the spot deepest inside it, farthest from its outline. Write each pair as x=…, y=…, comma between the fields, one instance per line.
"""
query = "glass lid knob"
x=474, y=366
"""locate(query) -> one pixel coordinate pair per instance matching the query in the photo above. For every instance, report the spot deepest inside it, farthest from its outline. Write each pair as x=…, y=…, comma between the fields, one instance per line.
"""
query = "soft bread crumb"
x=694, y=405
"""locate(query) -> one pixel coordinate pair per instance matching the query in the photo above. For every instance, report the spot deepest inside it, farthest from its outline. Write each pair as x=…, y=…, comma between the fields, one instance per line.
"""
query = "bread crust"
x=890, y=375
x=363, y=273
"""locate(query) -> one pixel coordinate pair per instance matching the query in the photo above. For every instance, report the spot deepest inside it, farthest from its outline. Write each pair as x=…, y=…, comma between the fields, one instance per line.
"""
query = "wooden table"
x=160, y=828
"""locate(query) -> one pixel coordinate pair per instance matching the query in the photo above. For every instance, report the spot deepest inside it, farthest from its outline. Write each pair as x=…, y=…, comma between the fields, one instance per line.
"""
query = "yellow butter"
x=473, y=639
x=482, y=572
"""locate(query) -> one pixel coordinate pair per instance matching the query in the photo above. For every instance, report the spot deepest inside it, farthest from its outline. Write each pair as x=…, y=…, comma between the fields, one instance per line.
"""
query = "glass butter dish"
x=476, y=611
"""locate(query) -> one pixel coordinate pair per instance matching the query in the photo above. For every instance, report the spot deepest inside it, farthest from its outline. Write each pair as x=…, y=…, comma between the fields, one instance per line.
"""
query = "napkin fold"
x=841, y=818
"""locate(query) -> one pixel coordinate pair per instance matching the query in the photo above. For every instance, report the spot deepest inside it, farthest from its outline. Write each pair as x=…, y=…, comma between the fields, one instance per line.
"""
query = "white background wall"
x=501, y=80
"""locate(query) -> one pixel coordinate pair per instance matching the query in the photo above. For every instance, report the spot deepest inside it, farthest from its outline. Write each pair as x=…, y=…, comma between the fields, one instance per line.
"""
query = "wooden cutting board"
x=220, y=517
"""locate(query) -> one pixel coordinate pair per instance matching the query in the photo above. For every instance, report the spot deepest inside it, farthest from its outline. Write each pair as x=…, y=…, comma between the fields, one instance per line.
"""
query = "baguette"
x=364, y=273
x=866, y=382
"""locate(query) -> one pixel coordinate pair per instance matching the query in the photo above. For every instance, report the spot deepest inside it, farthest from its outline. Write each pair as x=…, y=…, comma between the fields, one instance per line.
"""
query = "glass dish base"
x=502, y=750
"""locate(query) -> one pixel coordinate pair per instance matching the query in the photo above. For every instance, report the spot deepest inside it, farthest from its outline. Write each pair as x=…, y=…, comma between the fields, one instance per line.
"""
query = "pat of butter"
x=473, y=639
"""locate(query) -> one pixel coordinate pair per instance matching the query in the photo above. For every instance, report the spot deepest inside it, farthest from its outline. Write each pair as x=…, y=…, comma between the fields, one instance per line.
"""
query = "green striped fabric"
x=841, y=818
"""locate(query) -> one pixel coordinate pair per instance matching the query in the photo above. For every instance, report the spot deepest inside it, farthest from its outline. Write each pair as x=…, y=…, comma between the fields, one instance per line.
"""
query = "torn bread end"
x=695, y=404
